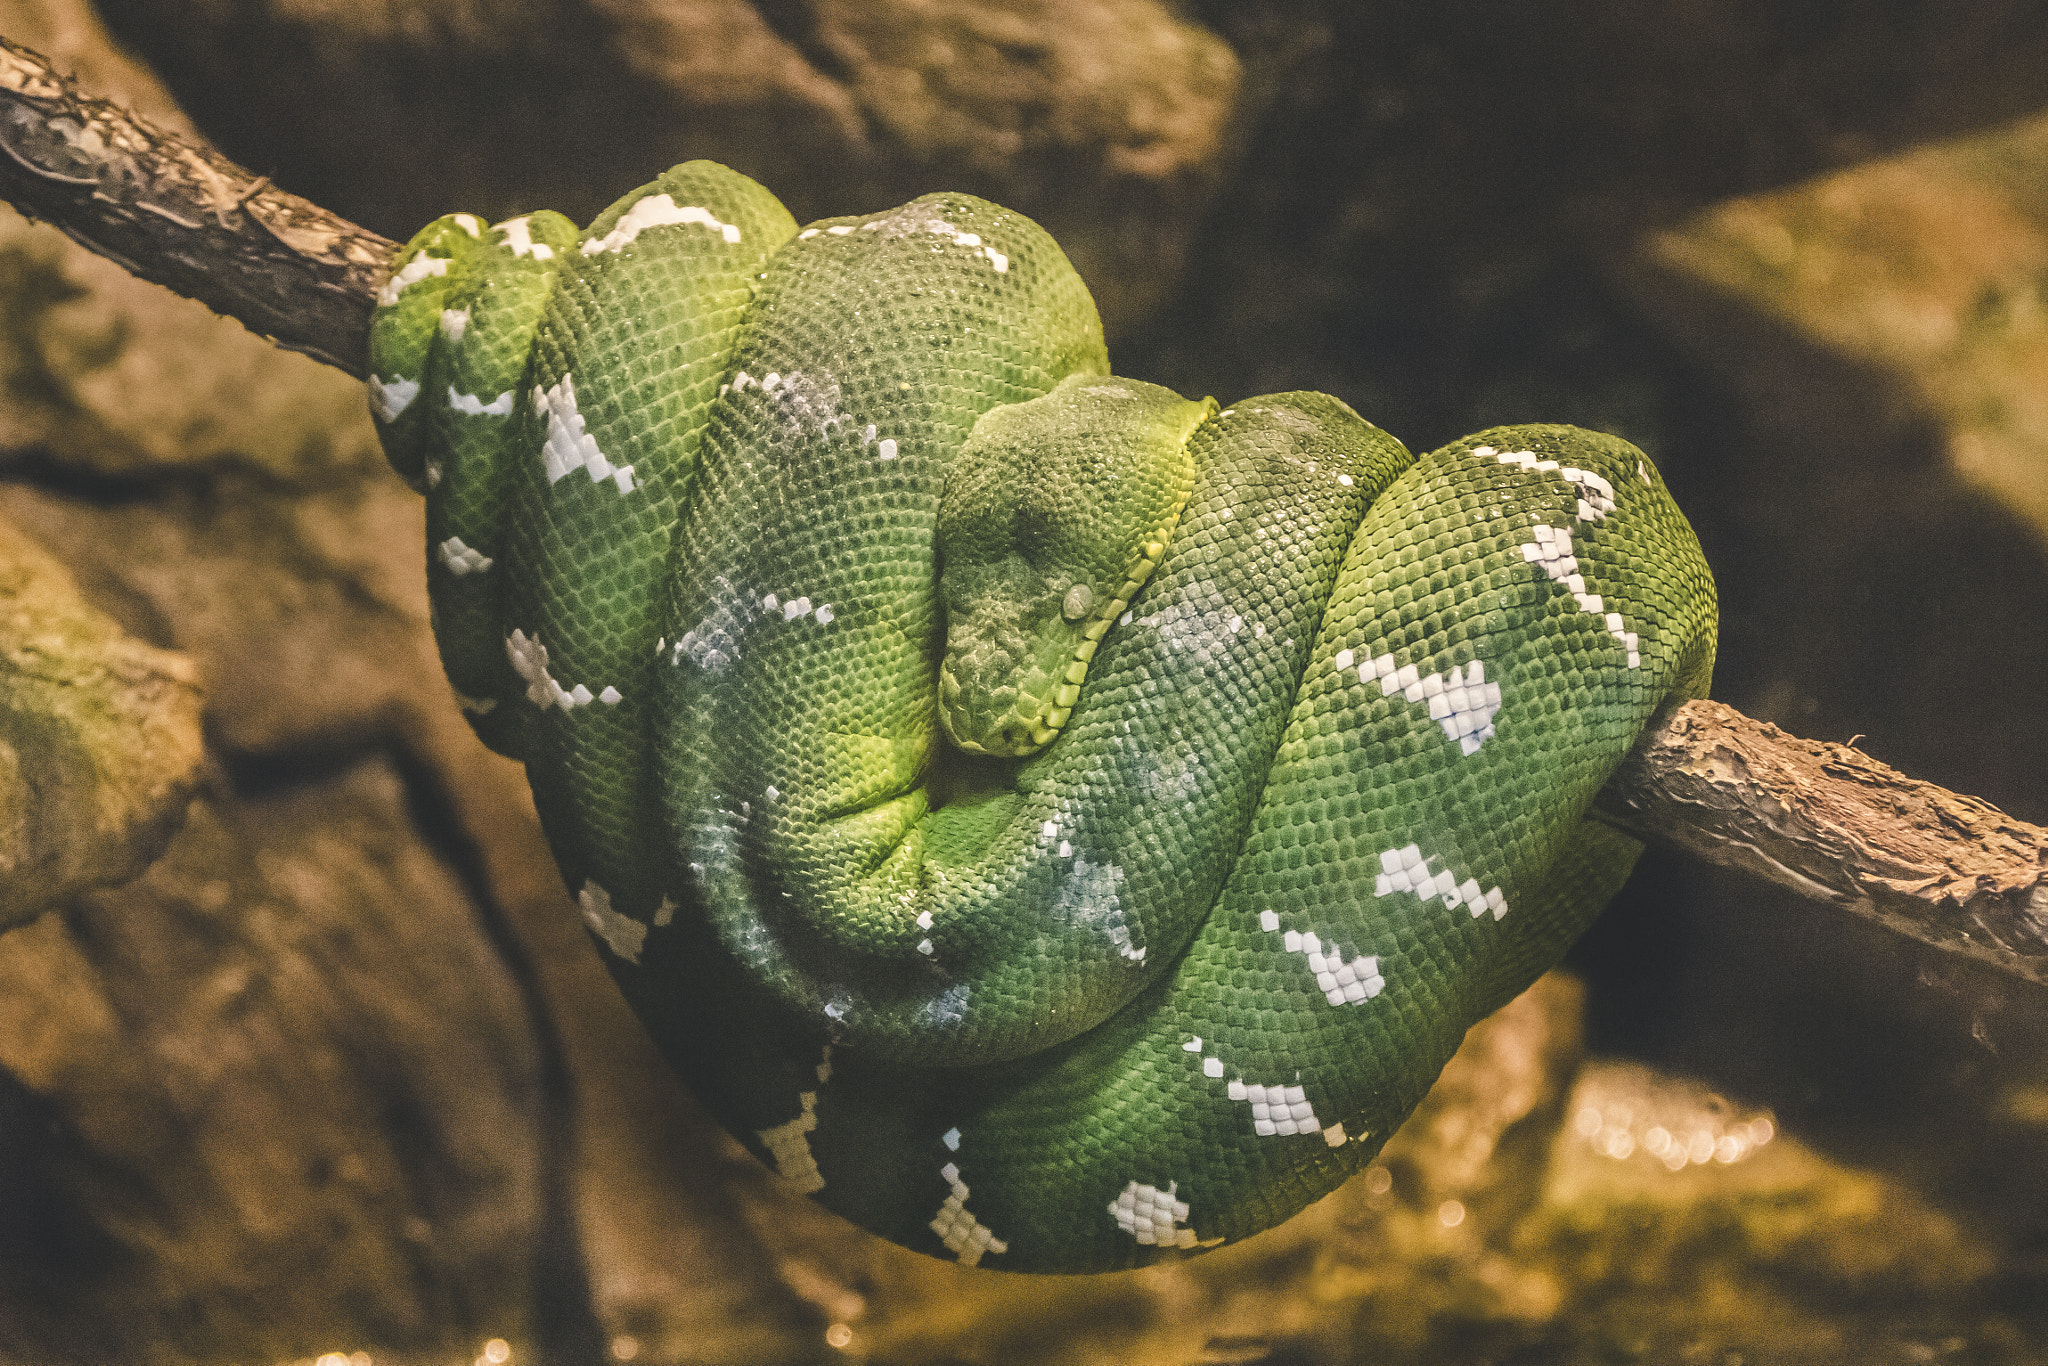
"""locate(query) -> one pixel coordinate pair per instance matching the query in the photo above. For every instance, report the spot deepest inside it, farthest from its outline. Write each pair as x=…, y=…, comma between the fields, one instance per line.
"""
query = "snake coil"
x=1049, y=820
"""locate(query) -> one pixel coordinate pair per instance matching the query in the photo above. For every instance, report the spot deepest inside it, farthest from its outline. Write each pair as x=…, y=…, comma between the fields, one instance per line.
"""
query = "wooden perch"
x=1835, y=825
x=1823, y=820
x=181, y=215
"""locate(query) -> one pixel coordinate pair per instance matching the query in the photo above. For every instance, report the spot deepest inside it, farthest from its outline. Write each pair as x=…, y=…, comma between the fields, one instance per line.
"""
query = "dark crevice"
x=48, y=1253
x=796, y=23
x=255, y=777
x=566, y=1325
x=223, y=478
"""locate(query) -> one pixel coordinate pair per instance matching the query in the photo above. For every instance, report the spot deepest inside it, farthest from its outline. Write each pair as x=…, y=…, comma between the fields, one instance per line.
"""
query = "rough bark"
x=175, y=212
x=1833, y=824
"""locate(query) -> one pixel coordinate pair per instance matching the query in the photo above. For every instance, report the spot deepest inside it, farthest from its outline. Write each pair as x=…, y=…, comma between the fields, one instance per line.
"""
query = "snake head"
x=1055, y=513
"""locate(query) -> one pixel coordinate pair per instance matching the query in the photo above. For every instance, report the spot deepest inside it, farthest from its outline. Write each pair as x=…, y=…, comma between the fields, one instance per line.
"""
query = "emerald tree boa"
x=1052, y=821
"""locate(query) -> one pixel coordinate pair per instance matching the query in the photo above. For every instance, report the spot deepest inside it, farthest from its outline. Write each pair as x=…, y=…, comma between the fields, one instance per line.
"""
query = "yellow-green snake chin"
x=1044, y=698
x=1305, y=730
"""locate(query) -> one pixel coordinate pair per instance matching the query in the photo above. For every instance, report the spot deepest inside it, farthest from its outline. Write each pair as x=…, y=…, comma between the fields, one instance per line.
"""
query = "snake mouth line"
x=1051, y=720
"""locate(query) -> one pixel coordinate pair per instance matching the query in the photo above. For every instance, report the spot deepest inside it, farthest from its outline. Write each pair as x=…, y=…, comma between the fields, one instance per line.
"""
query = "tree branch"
x=181, y=215
x=1835, y=825
x=1823, y=820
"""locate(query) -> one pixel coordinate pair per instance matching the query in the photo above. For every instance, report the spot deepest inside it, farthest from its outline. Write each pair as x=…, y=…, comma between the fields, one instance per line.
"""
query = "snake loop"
x=1050, y=820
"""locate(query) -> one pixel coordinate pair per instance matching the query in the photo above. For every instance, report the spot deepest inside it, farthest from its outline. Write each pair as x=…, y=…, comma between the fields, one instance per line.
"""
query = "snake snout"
x=1000, y=679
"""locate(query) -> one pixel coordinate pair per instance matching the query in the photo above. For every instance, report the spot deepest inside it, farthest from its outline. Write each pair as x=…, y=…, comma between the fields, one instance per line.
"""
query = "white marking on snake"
x=948, y=1008
x=964, y=1236
x=1342, y=982
x=622, y=934
x=518, y=235
x=432, y=471
x=886, y=448
x=657, y=211
x=462, y=559
x=472, y=406
x=1407, y=870
x=478, y=706
x=951, y=1138
x=1280, y=1111
x=1176, y=773
x=568, y=447
x=454, y=322
x=1277, y=1111
x=807, y=402
x=468, y=223
x=530, y=661
x=1462, y=701
x=1091, y=899
x=1150, y=1214
x=1551, y=550
x=1552, y=546
x=1596, y=495
x=962, y=239
x=713, y=642
x=788, y=1144
x=1197, y=632
x=411, y=273
x=390, y=398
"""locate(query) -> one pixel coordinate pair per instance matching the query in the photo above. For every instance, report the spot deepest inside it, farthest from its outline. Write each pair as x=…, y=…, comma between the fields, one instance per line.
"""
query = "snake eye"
x=1078, y=600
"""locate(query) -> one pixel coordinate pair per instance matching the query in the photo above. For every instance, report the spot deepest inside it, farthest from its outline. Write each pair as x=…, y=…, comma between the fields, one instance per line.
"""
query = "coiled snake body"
x=1049, y=820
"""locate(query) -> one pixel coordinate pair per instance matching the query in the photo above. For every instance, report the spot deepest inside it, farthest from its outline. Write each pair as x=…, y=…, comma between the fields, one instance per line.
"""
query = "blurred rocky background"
x=337, y=1079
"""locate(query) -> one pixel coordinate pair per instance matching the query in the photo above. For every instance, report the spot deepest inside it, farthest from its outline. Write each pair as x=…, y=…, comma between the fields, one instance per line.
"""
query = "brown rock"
x=254, y=1153
x=99, y=740
x=1922, y=273
x=1109, y=123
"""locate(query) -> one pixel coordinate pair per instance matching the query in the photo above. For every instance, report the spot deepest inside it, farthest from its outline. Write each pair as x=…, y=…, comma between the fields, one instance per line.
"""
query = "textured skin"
x=710, y=501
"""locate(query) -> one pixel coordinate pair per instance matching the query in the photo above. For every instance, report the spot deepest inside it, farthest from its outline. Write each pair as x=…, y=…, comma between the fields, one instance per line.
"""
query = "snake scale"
x=1051, y=821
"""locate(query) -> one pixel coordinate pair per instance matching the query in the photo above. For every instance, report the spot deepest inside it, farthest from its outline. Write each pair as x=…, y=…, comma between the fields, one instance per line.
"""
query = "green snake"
x=1053, y=822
